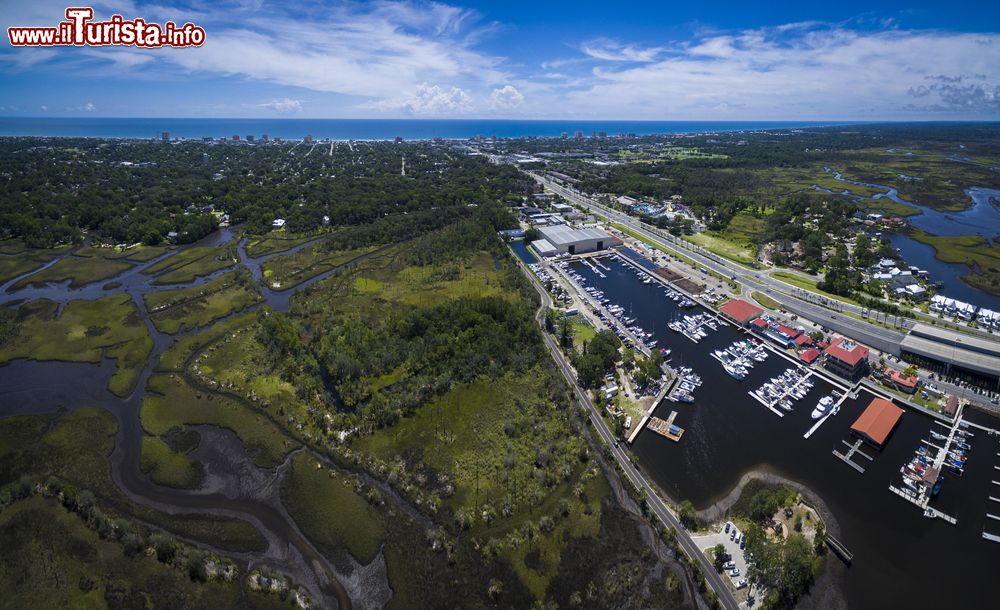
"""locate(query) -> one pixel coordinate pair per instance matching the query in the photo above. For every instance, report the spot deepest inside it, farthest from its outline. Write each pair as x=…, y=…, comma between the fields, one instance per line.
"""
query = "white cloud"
x=432, y=99
x=88, y=107
x=44, y=108
x=507, y=97
x=283, y=105
x=609, y=50
x=802, y=72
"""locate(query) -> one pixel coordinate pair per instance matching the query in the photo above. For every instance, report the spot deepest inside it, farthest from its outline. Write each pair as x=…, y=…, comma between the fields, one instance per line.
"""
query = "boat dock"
x=830, y=413
x=764, y=402
x=663, y=427
x=656, y=401
x=851, y=451
x=839, y=548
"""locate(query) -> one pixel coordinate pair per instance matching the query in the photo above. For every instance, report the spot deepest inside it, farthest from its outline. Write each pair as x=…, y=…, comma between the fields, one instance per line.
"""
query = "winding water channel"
x=982, y=218
x=901, y=559
x=233, y=487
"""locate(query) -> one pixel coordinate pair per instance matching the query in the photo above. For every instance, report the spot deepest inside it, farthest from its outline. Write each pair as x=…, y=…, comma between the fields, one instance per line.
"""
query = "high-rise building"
x=309, y=138
x=578, y=135
x=250, y=138
x=264, y=137
x=165, y=136
x=236, y=138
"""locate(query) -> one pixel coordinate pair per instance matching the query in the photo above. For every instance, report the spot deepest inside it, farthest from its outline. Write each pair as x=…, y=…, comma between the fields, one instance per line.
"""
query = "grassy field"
x=136, y=254
x=171, y=403
x=272, y=243
x=80, y=272
x=285, y=272
x=195, y=306
x=485, y=448
x=82, y=333
x=75, y=447
x=166, y=466
x=765, y=300
x=17, y=259
x=582, y=332
x=190, y=263
x=182, y=348
x=982, y=258
x=329, y=511
x=714, y=243
x=807, y=284
x=51, y=559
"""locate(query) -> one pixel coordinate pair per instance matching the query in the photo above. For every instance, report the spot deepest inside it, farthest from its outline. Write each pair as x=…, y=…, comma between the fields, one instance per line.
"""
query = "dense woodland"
x=125, y=191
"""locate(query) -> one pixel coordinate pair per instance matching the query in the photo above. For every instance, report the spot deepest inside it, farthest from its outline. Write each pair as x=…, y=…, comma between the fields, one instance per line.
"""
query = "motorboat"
x=822, y=407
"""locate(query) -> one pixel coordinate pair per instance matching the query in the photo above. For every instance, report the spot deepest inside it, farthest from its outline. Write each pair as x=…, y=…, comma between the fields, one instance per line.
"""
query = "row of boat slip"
x=740, y=357
x=687, y=381
x=550, y=284
x=616, y=317
x=670, y=293
x=693, y=327
x=792, y=385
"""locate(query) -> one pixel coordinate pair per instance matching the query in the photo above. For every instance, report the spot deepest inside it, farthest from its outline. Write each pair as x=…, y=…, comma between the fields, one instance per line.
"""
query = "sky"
x=835, y=61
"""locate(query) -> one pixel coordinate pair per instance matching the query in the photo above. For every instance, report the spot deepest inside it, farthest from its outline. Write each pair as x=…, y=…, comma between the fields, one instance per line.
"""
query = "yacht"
x=822, y=407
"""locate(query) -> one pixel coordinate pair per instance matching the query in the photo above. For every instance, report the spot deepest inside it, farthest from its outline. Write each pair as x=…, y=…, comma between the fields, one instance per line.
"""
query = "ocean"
x=364, y=129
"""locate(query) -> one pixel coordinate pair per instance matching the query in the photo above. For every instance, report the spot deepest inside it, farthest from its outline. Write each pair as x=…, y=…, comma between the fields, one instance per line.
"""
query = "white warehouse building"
x=565, y=240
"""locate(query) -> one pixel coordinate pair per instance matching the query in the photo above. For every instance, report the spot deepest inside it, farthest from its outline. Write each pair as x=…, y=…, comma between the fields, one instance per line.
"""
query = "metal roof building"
x=951, y=349
x=575, y=241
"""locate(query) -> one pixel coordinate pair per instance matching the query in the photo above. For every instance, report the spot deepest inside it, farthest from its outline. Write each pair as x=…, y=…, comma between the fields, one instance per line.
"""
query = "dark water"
x=922, y=255
x=981, y=218
x=520, y=247
x=363, y=129
x=728, y=433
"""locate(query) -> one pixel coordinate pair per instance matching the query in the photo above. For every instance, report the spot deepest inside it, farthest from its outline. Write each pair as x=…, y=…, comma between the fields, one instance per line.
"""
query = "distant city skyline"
x=851, y=61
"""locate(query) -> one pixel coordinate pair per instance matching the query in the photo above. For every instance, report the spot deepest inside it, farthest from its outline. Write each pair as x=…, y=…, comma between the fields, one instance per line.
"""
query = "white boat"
x=822, y=407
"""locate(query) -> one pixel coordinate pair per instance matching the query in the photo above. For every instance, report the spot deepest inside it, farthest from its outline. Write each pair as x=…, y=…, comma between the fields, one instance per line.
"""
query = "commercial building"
x=903, y=383
x=974, y=359
x=877, y=422
x=847, y=359
x=566, y=240
x=544, y=248
x=741, y=311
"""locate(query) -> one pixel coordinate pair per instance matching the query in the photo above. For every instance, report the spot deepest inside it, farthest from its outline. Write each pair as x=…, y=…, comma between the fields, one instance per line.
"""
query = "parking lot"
x=708, y=541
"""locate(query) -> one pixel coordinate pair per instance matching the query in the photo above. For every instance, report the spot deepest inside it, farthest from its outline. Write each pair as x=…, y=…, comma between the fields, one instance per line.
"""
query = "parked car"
x=729, y=565
x=728, y=525
x=742, y=583
x=734, y=572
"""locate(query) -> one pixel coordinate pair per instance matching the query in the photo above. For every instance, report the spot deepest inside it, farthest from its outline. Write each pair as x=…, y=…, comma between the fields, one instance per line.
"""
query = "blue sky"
x=518, y=59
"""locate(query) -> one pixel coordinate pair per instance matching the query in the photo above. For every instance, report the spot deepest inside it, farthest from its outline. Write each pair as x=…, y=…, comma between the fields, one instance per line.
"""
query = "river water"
x=32, y=387
x=982, y=217
x=728, y=434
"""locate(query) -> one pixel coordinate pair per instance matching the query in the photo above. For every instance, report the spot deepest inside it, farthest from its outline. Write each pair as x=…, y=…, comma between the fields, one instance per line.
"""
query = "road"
x=656, y=505
x=795, y=299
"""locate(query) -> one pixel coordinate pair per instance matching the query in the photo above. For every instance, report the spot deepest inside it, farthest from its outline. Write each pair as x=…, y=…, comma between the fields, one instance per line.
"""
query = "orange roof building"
x=877, y=422
x=903, y=383
x=741, y=311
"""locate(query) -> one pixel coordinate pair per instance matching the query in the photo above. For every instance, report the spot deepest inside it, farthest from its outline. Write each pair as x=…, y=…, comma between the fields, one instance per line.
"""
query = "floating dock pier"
x=663, y=427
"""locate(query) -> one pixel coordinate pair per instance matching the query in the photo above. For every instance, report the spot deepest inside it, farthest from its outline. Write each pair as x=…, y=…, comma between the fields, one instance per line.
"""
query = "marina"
x=666, y=428
x=726, y=434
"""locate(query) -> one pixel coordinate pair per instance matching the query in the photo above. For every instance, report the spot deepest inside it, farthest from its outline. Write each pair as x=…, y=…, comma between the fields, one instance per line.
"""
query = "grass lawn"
x=82, y=333
x=765, y=300
x=187, y=308
x=17, y=259
x=714, y=243
x=329, y=511
x=582, y=332
x=75, y=447
x=48, y=553
x=80, y=272
x=173, y=403
x=166, y=466
x=193, y=262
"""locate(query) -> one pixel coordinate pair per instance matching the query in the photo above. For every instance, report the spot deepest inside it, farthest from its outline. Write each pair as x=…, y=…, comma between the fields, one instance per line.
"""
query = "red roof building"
x=802, y=340
x=877, y=421
x=809, y=356
x=847, y=359
x=741, y=311
x=903, y=383
x=951, y=406
x=791, y=333
x=759, y=323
